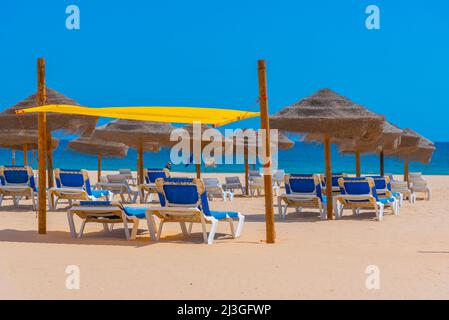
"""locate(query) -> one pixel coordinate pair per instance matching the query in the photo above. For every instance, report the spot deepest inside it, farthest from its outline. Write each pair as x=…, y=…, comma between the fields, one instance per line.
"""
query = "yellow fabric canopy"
x=212, y=116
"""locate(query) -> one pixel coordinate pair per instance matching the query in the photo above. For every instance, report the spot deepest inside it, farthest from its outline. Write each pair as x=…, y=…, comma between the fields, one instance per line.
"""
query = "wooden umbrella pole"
x=406, y=170
x=25, y=154
x=327, y=157
x=265, y=125
x=245, y=157
x=357, y=163
x=99, y=167
x=382, y=163
x=140, y=163
x=198, y=170
x=42, y=130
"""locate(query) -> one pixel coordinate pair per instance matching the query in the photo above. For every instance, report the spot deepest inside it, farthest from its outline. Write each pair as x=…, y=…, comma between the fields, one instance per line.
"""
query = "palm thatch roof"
x=89, y=145
x=390, y=139
x=135, y=133
x=421, y=151
x=16, y=139
x=78, y=124
x=328, y=113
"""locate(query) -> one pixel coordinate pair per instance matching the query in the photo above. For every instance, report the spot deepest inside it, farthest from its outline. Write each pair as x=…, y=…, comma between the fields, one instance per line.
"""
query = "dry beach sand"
x=311, y=259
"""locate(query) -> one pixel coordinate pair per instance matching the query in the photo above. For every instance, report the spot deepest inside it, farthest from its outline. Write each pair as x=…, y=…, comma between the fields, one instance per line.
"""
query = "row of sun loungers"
x=186, y=201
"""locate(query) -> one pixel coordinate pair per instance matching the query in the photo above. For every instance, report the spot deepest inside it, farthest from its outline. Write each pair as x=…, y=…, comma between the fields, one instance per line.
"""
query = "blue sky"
x=204, y=53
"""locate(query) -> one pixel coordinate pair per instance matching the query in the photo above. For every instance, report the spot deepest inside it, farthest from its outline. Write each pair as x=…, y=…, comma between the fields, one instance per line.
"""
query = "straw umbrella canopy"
x=414, y=147
x=25, y=140
x=140, y=135
x=390, y=139
x=76, y=124
x=332, y=116
x=100, y=148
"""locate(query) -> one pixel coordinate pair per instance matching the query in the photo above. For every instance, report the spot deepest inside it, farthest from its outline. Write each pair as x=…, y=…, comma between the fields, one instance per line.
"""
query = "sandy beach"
x=311, y=259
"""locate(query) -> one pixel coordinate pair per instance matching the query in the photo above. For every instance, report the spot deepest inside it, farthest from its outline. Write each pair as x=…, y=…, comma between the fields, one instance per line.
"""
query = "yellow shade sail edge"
x=213, y=116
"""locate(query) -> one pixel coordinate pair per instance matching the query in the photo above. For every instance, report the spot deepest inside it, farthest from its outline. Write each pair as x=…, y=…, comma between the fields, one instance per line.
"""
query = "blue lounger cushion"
x=100, y=193
x=138, y=212
x=386, y=200
x=224, y=214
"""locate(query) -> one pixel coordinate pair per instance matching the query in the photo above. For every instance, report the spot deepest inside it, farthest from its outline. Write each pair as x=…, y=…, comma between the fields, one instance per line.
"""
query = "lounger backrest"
x=233, y=180
x=415, y=176
x=211, y=182
x=183, y=192
x=381, y=183
x=303, y=184
x=358, y=186
x=254, y=174
x=335, y=177
x=73, y=178
x=151, y=174
x=17, y=175
x=117, y=178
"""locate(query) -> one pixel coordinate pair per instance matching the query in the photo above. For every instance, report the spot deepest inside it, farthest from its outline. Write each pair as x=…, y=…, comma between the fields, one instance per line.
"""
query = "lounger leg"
x=203, y=227
x=135, y=229
x=190, y=228
x=106, y=227
x=150, y=197
x=159, y=232
x=280, y=207
x=213, y=229
x=231, y=226
x=380, y=211
x=33, y=200
x=83, y=225
x=1, y=199
x=184, y=229
x=428, y=195
x=240, y=225
x=285, y=211
x=71, y=225
x=122, y=197
x=152, y=227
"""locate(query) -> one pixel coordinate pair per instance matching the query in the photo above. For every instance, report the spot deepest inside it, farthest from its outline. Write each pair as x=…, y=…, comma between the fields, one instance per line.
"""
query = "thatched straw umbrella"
x=413, y=147
x=25, y=140
x=140, y=135
x=390, y=139
x=333, y=117
x=100, y=148
x=76, y=124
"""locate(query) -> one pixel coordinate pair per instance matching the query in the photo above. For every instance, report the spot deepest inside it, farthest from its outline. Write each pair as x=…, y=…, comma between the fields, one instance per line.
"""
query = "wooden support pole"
x=140, y=163
x=25, y=154
x=357, y=163
x=198, y=170
x=246, y=160
x=382, y=163
x=99, y=168
x=406, y=170
x=42, y=141
x=265, y=125
x=327, y=157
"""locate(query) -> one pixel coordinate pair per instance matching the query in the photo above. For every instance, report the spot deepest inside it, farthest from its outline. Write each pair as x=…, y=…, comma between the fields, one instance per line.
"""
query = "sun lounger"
x=74, y=185
x=335, y=186
x=107, y=213
x=148, y=189
x=214, y=189
x=383, y=190
x=402, y=188
x=232, y=184
x=118, y=184
x=18, y=182
x=418, y=185
x=278, y=177
x=129, y=175
x=360, y=194
x=302, y=191
x=184, y=201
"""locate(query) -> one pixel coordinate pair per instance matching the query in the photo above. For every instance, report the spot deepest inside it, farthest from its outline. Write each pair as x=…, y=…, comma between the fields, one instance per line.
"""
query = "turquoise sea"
x=303, y=158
